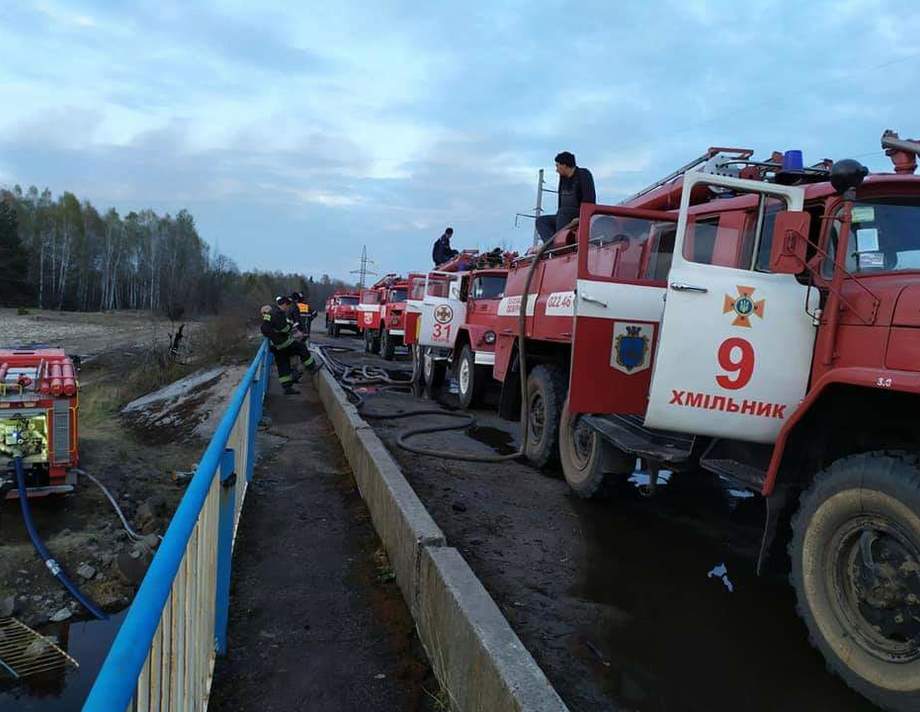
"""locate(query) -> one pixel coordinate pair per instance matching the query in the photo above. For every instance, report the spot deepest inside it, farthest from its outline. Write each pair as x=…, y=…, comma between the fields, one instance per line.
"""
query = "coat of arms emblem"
x=631, y=347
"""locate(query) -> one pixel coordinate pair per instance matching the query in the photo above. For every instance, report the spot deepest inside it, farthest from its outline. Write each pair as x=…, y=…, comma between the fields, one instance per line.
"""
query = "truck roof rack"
x=737, y=163
x=385, y=281
x=709, y=162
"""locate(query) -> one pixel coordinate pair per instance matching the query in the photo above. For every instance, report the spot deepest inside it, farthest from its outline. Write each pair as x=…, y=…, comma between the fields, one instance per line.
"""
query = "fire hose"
x=52, y=565
x=368, y=375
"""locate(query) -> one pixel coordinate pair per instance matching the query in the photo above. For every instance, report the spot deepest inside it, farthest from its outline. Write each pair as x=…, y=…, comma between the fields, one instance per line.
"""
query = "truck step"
x=742, y=462
x=628, y=433
x=739, y=472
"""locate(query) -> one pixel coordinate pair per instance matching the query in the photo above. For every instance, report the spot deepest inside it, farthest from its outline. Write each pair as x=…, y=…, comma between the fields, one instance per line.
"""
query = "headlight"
x=489, y=337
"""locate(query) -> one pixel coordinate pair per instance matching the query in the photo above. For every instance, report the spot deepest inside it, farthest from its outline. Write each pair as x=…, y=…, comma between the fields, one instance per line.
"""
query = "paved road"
x=614, y=598
x=316, y=621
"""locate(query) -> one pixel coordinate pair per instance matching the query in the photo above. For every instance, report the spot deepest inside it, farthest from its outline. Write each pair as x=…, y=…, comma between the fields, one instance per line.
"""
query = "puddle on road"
x=670, y=636
x=499, y=440
x=64, y=690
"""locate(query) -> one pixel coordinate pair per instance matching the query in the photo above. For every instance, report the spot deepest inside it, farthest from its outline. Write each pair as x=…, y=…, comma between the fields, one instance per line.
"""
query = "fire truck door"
x=415, y=297
x=619, y=300
x=368, y=308
x=442, y=310
x=736, y=344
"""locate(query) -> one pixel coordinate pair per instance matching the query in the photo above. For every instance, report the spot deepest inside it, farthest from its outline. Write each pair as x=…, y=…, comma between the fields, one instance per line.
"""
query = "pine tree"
x=14, y=260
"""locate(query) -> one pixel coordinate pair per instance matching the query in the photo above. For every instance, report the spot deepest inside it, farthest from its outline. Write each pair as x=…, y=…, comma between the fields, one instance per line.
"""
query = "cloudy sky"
x=296, y=135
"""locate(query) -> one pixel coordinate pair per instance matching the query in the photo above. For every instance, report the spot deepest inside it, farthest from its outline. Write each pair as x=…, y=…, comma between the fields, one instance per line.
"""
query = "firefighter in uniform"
x=304, y=314
x=284, y=343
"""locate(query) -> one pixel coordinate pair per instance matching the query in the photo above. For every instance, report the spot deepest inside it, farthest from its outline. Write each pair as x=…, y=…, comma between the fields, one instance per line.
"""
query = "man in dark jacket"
x=279, y=330
x=442, y=251
x=576, y=186
x=301, y=313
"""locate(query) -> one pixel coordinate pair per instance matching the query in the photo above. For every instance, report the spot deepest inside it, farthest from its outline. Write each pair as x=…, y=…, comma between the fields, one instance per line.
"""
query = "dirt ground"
x=314, y=606
x=622, y=602
x=135, y=454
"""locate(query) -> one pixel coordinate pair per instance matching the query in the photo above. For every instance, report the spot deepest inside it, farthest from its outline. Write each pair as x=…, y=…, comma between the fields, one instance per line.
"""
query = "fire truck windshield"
x=885, y=236
x=397, y=295
x=348, y=301
x=488, y=286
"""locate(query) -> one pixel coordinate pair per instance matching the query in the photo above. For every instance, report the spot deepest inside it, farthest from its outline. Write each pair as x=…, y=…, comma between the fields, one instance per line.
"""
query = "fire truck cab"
x=381, y=312
x=767, y=331
x=457, y=321
x=342, y=312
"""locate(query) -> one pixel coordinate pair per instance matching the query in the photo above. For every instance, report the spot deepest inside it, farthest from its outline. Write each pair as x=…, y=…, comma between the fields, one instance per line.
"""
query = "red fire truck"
x=381, y=313
x=341, y=312
x=458, y=306
x=38, y=420
x=767, y=331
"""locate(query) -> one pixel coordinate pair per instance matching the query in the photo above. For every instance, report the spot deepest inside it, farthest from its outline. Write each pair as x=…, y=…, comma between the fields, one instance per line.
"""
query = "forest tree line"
x=62, y=253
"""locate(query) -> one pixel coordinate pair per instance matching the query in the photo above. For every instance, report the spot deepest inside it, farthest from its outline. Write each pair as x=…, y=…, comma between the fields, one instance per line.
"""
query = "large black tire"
x=546, y=387
x=590, y=464
x=387, y=345
x=432, y=370
x=418, y=377
x=471, y=379
x=855, y=554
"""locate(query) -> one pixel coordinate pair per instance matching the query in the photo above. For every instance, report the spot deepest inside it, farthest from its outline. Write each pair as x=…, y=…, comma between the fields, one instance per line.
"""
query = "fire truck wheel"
x=470, y=378
x=589, y=463
x=432, y=370
x=546, y=387
x=387, y=345
x=418, y=378
x=855, y=553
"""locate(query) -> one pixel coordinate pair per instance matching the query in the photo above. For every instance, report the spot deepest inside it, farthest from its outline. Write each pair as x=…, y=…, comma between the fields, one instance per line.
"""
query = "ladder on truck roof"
x=714, y=161
x=385, y=281
x=737, y=163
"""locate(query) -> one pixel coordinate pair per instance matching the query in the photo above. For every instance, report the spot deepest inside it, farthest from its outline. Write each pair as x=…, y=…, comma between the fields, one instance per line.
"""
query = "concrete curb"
x=475, y=654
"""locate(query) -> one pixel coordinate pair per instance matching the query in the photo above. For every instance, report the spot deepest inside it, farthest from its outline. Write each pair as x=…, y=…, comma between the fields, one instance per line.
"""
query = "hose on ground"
x=124, y=522
x=340, y=371
x=53, y=566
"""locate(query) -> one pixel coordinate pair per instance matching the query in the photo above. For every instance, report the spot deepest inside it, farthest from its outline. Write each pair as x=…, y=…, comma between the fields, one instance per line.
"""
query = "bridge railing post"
x=224, y=548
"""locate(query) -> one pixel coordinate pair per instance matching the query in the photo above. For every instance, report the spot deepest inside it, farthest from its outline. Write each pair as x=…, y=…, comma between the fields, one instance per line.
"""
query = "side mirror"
x=790, y=242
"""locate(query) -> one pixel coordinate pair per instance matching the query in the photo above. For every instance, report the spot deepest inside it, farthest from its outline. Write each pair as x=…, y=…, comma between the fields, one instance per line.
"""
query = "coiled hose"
x=53, y=566
x=372, y=375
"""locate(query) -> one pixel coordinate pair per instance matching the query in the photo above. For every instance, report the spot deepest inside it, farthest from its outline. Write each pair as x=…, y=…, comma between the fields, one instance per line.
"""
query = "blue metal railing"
x=164, y=653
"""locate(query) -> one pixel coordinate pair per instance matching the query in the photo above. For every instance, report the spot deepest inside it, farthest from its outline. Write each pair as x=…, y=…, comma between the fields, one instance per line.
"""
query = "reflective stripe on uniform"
x=285, y=379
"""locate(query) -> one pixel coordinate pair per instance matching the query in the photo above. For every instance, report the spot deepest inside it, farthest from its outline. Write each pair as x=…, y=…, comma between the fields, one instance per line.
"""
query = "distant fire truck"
x=342, y=312
x=381, y=315
x=457, y=306
x=760, y=321
x=38, y=420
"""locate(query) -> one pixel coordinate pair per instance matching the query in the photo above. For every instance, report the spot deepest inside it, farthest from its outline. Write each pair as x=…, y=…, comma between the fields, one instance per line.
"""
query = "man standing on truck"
x=576, y=186
x=278, y=329
x=442, y=251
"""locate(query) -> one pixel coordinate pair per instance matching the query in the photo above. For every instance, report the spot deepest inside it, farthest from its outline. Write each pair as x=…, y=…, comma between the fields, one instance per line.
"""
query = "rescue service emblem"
x=631, y=347
x=743, y=306
x=443, y=314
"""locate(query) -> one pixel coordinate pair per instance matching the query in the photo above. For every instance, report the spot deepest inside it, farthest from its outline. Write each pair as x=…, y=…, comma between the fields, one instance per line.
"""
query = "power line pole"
x=363, y=271
x=538, y=210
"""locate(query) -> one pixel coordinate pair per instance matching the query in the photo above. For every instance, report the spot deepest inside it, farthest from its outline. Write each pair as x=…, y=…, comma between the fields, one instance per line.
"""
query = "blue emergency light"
x=792, y=161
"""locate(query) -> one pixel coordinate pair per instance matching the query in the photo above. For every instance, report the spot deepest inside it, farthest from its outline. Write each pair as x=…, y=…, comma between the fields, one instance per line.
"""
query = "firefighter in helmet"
x=304, y=314
x=285, y=343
